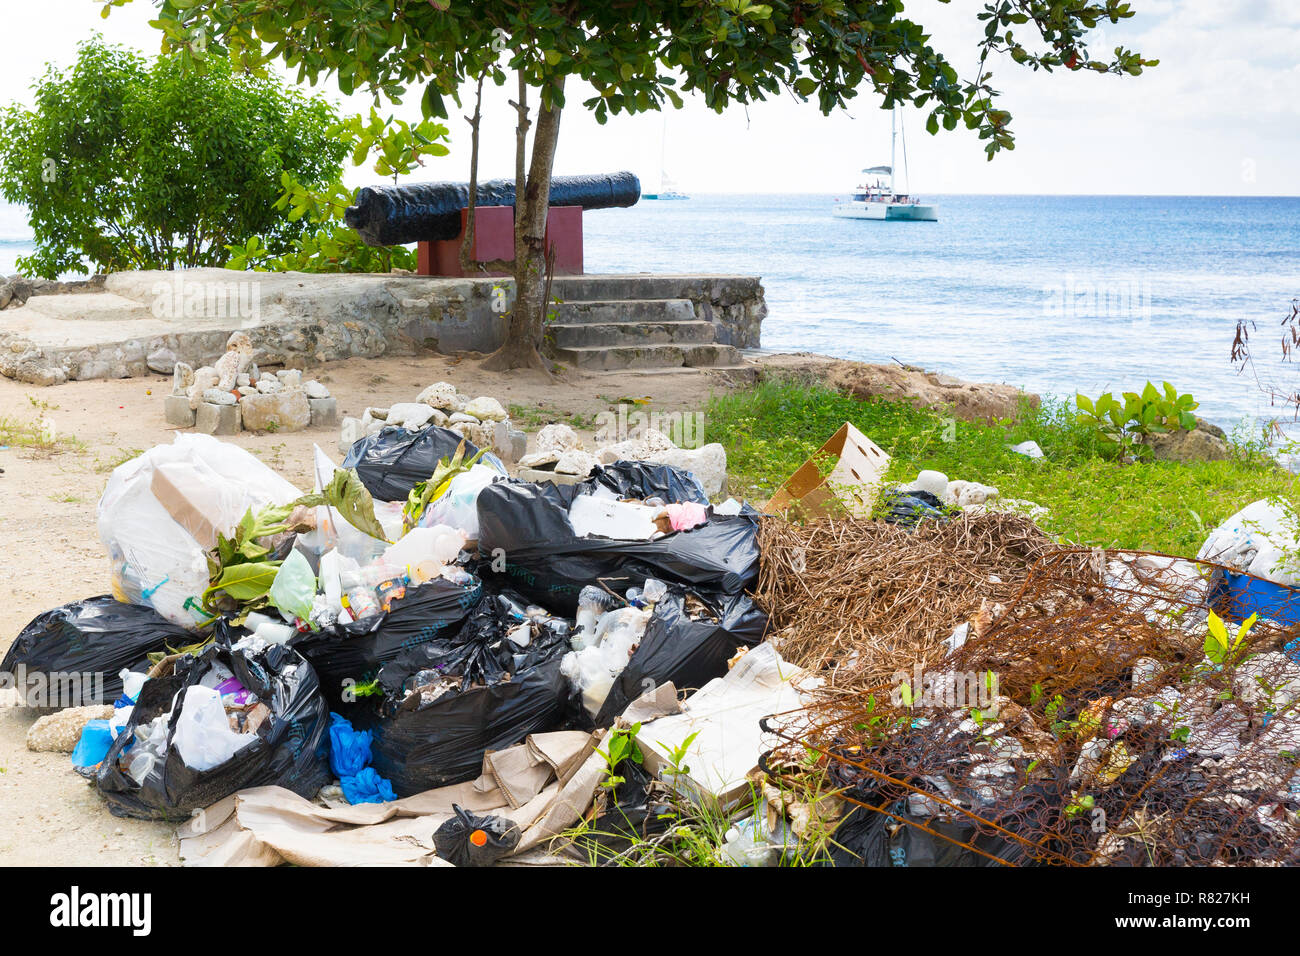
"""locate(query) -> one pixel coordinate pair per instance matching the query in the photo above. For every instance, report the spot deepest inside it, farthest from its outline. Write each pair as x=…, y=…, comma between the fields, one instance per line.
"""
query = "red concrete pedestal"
x=494, y=238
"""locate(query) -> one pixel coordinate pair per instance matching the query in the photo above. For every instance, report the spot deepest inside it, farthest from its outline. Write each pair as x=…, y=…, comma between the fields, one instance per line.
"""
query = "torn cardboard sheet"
x=725, y=715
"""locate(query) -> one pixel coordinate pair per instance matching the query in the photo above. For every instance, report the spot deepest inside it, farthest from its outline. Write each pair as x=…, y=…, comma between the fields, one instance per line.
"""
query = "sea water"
x=1055, y=294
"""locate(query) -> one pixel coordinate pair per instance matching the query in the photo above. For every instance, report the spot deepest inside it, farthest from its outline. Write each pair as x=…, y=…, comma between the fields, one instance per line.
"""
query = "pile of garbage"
x=383, y=634
x=1105, y=716
x=482, y=421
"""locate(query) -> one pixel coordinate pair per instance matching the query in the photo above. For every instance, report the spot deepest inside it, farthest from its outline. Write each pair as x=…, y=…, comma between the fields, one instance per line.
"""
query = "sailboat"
x=667, y=188
x=876, y=198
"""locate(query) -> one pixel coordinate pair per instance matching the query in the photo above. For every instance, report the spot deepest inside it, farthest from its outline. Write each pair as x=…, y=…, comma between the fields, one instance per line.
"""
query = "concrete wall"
x=146, y=321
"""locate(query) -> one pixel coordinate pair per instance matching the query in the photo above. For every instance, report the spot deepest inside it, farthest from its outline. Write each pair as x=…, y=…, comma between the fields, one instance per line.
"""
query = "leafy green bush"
x=1120, y=425
x=329, y=245
x=124, y=163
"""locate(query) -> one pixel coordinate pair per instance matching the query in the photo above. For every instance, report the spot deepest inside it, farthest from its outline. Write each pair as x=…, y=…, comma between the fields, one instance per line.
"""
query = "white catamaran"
x=876, y=199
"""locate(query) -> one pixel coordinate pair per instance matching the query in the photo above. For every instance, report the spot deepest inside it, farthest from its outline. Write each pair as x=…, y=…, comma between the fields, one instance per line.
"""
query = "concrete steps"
x=616, y=358
x=617, y=334
x=636, y=333
x=619, y=311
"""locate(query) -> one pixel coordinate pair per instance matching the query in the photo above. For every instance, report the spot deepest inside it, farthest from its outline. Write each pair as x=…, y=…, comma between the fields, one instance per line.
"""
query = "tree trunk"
x=522, y=347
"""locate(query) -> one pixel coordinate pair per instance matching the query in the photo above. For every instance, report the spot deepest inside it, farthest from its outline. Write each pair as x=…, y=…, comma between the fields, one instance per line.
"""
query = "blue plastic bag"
x=350, y=761
x=92, y=748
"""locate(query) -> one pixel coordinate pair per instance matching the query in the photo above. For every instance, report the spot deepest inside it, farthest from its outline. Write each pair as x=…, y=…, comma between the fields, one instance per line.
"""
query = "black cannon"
x=429, y=212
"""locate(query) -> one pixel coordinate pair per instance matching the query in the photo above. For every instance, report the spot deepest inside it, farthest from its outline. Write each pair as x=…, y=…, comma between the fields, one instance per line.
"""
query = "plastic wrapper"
x=333, y=531
x=346, y=655
x=289, y=749
x=294, y=586
x=527, y=542
x=393, y=462
x=92, y=640
x=161, y=510
x=448, y=701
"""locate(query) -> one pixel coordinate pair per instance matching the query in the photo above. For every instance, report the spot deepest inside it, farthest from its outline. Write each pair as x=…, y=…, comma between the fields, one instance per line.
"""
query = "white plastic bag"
x=1260, y=539
x=458, y=506
x=203, y=736
x=333, y=530
x=156, y=559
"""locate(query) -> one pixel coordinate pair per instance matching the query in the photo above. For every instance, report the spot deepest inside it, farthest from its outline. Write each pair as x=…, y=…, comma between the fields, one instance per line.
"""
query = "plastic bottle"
x=592, y=603
x=359, y=599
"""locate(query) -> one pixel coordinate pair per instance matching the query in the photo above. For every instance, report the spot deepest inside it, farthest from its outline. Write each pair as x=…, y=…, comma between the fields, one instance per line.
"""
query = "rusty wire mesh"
x=1081, y=725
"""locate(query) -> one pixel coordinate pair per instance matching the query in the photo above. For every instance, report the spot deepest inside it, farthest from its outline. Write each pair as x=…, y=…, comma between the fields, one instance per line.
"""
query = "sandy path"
x=51, y=552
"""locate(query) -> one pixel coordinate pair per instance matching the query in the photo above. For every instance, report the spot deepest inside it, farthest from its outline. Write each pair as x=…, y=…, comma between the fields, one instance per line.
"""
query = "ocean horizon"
x=1052, y=293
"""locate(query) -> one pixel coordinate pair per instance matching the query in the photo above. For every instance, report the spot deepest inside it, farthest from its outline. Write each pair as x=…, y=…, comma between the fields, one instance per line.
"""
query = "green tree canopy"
x=124, y=163
x=639, y=56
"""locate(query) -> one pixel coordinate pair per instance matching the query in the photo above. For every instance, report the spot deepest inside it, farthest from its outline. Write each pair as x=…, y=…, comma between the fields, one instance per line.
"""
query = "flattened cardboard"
x=186, y=494
x=852, y=486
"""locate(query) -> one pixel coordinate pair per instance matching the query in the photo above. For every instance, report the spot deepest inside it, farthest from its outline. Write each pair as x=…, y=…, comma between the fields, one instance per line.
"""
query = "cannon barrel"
x=394, y=215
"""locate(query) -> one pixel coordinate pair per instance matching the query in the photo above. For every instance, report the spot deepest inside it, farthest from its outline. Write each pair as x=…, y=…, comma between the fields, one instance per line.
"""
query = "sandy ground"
x=51, y=553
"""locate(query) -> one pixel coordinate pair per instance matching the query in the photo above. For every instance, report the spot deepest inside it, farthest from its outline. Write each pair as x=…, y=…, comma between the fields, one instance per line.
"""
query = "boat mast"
x=893, y=142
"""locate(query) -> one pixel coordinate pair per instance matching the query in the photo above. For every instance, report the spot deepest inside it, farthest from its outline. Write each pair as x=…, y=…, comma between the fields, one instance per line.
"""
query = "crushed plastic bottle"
x=748, y=845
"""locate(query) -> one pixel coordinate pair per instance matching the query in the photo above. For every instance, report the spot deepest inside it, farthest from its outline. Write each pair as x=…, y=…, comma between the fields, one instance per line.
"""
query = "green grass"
x=769, y=430
x=533, y=417
x=36, y=437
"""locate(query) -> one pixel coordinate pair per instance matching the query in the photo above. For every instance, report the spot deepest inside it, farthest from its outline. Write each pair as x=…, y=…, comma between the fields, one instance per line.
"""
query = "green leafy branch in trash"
x=241, y=569
x=676, y=757
x=1218, y=648
x=622, y=746
x=426, y=492
x=1121, y=425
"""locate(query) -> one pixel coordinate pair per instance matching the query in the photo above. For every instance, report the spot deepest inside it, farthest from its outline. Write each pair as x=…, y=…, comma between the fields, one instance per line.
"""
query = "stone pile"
x=234, y=395
x=561, y=456
x=482, y=420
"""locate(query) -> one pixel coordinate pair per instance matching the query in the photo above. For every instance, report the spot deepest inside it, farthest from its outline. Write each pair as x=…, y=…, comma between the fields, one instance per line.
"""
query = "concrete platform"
x=147, y=321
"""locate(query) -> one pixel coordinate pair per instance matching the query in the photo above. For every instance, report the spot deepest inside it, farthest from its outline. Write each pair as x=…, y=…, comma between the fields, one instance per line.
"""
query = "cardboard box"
x=851, y=486
x=191, y=497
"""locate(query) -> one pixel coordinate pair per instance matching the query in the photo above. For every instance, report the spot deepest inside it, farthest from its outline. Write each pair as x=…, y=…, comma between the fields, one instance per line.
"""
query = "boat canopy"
x=879, y=171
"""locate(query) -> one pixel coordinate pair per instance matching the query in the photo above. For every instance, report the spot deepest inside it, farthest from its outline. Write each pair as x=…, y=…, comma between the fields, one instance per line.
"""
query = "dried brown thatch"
x=866, y=598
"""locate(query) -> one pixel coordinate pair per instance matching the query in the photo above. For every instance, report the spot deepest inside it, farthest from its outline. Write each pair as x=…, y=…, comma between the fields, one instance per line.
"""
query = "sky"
x=1220, y=115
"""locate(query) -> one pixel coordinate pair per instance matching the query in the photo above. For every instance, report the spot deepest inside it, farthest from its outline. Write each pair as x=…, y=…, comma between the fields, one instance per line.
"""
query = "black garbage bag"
x=393, y=462
x=906, y=508
x=468, y=839
x=527, y=542
x=291, y=749
x=448, y=701
x=633, y=810
x=688, y=641
x=346, y=655
x=72, y=655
